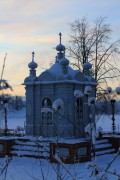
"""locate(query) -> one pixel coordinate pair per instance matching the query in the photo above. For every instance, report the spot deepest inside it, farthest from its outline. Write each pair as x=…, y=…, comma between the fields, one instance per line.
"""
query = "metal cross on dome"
x=60, y=34
x=33, y=54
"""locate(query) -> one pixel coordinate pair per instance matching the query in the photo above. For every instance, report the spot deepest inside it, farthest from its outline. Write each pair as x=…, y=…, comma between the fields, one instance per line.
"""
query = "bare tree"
x=93, y=44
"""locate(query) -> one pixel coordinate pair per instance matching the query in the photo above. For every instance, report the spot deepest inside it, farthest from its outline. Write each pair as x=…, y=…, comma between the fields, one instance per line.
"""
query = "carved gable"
x=79, y=76
x=46, y=76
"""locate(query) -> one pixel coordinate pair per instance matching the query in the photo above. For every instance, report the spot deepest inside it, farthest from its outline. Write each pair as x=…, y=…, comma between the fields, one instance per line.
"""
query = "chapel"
x=60, y=81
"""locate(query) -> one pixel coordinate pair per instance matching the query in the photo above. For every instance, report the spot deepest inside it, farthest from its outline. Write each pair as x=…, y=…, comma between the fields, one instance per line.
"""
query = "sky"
x=34, y=25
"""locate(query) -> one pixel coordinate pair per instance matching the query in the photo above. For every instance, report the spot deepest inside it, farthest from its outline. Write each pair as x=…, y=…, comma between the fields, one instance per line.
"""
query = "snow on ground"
x=29, y=168
x=15, y=118
x=105, y=122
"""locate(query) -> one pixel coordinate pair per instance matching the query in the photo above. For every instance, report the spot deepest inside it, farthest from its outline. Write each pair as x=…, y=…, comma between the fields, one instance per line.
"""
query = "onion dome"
x=32, y=64
x=64, y=61
x=60, y=47
x=87, y=65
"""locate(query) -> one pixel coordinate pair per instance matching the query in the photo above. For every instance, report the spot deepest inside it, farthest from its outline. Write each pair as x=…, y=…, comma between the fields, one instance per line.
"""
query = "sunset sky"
x=34, y=25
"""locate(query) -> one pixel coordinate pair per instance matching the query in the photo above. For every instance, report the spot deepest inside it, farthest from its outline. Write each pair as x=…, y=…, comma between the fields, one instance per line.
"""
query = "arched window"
x=79, y=111
x=47, y=118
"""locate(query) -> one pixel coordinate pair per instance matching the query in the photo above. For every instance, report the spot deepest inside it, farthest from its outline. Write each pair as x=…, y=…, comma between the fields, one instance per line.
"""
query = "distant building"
x=58, y=82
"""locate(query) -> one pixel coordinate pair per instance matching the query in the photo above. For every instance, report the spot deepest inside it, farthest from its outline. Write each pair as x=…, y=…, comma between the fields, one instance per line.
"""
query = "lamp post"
x=4, y=100
x=115, y=92
x=113, y=115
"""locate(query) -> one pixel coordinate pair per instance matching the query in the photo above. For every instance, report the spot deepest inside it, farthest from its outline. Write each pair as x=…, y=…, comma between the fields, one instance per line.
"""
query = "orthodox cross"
x=60, y=34
x=33, y=54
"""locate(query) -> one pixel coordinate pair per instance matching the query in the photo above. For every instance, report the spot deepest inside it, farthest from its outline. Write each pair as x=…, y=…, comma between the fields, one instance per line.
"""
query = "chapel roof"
x=60, y=70
x=54, y=73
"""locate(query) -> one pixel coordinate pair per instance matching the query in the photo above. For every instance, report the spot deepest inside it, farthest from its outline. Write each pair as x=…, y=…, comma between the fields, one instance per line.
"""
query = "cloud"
x=33, y=25
x=16, y=68
x=15, y=39
x=32, y=10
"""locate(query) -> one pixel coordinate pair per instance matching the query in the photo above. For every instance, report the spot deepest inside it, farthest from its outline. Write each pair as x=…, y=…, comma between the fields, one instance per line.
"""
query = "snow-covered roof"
x=59, y=71
x=55, y=73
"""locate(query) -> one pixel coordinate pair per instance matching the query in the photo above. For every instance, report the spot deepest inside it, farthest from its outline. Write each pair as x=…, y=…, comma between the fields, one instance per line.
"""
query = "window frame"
x=47, y=118
x=79, y=111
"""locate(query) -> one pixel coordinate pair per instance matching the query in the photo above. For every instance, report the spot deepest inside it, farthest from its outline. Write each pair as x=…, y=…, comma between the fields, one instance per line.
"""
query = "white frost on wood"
x=46, y=110
x=109, y=89
x=91, y=101
x=94, y=135
x=89, y=128
x=78, y=93
x=117, y=90
x=58, y=104
x=5, y=85
x=87, y=90
x=58, y=158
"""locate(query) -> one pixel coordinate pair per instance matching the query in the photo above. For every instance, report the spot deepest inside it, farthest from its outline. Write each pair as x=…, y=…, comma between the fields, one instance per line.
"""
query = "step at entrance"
x=31, y=148
x=103, y=146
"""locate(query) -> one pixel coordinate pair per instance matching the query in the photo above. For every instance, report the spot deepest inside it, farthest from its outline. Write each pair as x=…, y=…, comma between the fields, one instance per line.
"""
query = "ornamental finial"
x=33, y=54
x=60, y=34
x=60, y=47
